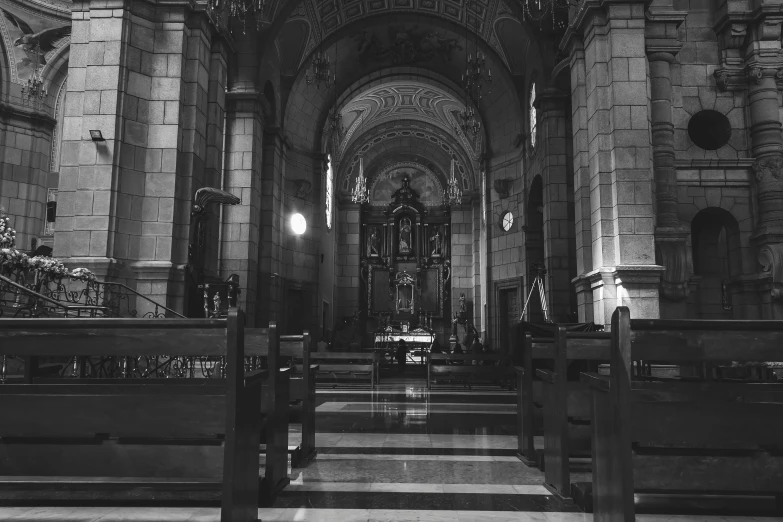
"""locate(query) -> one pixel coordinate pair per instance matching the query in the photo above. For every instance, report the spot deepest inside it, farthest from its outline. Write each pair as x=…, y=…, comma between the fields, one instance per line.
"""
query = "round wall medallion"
x=709, y=130
x=506, y=221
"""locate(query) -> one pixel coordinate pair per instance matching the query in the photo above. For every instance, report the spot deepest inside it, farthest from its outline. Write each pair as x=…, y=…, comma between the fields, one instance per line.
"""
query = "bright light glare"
x=298, y=224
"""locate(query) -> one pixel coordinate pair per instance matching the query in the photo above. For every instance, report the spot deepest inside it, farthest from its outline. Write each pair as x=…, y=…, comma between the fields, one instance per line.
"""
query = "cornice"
x=8, y=110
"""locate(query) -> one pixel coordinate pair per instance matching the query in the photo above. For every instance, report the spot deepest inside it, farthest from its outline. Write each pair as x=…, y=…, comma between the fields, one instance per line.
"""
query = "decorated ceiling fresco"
x=31, y=37
x=389, y=179
x=404, y=101
x=409, y=45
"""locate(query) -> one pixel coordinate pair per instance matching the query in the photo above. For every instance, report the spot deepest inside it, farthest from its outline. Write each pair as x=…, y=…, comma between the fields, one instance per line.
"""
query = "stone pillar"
x=581, y=155
x=240, y=234
x=143, y=83
x=270, y=271
x=558, y=195
x=764, y=67
x=670, y=236
x=619, y=154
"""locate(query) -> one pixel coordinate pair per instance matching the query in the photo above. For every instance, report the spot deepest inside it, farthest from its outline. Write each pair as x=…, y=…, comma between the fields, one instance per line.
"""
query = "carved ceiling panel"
x=327, y=17
x=397, y=101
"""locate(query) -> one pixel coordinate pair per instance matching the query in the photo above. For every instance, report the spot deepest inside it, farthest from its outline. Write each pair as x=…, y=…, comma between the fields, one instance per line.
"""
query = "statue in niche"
x=462, y=304
x=405, y=243
x=405, y=193
x=373, y=243
x=437, y=250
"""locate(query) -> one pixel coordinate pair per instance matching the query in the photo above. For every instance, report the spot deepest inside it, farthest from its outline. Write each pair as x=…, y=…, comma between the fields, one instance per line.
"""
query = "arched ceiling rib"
x=404, y=100
x=329, y=16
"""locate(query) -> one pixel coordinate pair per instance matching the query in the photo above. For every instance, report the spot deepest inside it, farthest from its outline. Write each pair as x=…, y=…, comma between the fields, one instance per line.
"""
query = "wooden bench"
x=460, y=368
x=565, y=403
x=685, y=437
x=123, y=441
x=293, y=352
x=351, y=366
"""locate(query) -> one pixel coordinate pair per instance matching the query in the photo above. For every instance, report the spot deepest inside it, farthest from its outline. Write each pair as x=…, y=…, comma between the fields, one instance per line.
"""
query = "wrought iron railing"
x=28, y=293
x=22, y=301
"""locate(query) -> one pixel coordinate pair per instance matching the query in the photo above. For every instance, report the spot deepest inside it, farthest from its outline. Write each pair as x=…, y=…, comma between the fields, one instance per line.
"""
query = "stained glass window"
x=533, y=115
x=328, y=191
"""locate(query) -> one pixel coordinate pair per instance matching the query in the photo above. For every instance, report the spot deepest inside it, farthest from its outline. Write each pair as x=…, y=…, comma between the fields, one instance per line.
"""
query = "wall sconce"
x=96, y=135
x=298, y=224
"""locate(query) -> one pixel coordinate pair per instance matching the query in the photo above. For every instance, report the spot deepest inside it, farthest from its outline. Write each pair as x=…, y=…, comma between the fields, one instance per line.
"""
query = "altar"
x=405, y=270
x=418, y=343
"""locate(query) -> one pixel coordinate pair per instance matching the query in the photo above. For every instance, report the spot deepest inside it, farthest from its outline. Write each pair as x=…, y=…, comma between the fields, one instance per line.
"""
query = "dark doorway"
x=294, y=315
x=508, y=295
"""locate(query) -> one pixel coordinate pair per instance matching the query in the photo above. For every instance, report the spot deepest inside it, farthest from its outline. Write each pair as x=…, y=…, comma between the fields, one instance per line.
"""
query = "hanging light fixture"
x=477, y=75
x=537, y=10
x=33, y=90
x=467, y=122
x=322, y=71
x=453, y=194
x=359, y=194
x=243, y=11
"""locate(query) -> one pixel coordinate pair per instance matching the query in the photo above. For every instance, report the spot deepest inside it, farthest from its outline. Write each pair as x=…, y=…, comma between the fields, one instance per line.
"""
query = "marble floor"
x=400, y=453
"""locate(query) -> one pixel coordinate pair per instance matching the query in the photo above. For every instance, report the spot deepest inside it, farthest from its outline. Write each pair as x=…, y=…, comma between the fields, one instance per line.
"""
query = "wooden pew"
x=682, y=436
x=354, y=366
x=566, y=405
x=460, y=367
x=139, y=441
x=294, y=352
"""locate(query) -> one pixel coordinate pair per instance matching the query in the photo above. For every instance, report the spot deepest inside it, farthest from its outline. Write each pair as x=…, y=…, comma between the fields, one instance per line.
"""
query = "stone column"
x=240, y=234
x=764, y=67
x=670, y=235
x=583, y=232
x=619, y=151
x=558, y=196
x=139, y=73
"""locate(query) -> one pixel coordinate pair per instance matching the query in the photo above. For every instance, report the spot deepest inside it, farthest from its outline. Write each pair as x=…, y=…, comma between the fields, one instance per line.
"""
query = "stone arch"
x=716, y=255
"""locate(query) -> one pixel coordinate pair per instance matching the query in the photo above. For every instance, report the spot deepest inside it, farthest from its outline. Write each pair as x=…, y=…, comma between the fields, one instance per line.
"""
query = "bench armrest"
x=595, y=381
x=256, y=376
x=546, y=375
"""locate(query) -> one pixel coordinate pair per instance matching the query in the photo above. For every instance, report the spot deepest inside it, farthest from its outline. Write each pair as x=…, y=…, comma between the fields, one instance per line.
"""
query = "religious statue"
x=405, y=236
x=462, y=304
x=436, y=238
x=373, y=244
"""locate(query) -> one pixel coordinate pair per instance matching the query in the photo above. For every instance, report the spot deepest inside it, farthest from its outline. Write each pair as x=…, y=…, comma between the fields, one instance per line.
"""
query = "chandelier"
x=34, y=90
x=322, y=71
x=243, y=11
x=336, y=123
x=359, y=194
x=475, y=77
x=537, y=10
x=453, y=194
x=467, y=122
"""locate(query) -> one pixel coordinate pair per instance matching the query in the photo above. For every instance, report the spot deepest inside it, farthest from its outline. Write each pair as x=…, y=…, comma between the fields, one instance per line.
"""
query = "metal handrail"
x=137, y=294
x=53, y=302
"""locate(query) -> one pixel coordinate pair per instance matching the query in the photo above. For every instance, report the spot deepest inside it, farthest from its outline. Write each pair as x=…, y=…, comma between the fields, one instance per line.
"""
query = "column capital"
x=551, y=99
x=598, y=12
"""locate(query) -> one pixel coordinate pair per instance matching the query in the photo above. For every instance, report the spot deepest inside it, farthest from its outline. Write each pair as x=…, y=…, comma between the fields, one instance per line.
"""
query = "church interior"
x=391, y=260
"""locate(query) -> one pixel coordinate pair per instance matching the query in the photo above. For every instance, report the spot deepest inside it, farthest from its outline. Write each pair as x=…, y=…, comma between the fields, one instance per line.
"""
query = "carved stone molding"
x=503, y=187
x=770, y=258
x=755, y=74
x=768, y=166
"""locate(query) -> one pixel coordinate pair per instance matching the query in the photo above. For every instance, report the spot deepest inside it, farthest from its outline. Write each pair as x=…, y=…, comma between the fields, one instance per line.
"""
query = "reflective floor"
x=400, y=453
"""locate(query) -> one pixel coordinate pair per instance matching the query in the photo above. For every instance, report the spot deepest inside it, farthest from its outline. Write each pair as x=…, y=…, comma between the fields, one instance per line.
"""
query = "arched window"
x=328, y=191
x=533, y=115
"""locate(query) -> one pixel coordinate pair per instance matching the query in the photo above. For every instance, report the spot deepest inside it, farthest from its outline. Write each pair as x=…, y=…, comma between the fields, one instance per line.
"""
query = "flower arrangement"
x=82, y=274
x=49, y=266
x=7, y=234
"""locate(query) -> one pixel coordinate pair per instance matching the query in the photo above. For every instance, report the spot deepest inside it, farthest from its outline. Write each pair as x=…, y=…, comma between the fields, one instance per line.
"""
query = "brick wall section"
x=24, y=166
x=347, y=280
x=462, y=256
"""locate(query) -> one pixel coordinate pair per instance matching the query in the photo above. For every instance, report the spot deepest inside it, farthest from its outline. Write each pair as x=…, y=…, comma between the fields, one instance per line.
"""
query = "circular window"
x=506, y=221
x=709, y=130
x=298, y=224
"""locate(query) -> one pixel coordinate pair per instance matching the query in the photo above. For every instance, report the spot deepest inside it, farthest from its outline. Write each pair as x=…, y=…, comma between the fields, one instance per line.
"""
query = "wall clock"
x=506, y=221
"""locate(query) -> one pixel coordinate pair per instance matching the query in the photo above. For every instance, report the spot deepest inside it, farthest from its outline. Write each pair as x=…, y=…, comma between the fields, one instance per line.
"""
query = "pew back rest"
x=502, y=359
x=113, y=337
x=583, y=346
